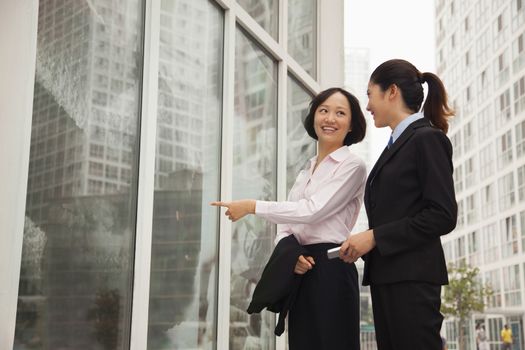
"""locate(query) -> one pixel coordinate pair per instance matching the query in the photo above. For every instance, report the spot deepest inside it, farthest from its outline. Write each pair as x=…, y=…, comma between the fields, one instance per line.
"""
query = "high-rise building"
x=143, y=112
x=481, y=58
x=84, y=84
x=357, y=73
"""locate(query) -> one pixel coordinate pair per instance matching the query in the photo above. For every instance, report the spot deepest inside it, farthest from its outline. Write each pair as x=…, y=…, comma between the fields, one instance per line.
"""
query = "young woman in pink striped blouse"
x=321, y=210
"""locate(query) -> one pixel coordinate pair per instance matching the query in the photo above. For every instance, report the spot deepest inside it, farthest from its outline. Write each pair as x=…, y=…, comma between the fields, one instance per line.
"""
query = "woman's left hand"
x=237, y=209
x=357, y=245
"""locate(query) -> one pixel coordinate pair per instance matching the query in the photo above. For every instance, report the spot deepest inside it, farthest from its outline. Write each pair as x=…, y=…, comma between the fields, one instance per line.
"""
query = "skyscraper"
x=481, y=58
x=357, y=72
x=143, y=113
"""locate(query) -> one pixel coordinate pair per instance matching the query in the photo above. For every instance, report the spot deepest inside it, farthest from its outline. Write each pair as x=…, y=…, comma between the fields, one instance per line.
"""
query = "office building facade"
x=135, y=116
x=481, y=58
x=357, y=73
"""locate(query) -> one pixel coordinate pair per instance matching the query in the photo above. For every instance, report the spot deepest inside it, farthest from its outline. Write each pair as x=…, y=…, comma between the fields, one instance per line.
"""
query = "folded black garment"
x=278, y=285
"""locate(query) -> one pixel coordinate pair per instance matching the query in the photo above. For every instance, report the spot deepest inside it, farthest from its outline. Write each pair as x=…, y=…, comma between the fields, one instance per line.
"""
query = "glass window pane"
x=77, y=261
x=254, y=176
x=265, y=12
x=301, y=147
x=302, y=30
x=183, y=290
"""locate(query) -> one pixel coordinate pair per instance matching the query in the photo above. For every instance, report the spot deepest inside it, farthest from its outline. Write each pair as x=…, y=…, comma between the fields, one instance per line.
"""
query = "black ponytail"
x=436, y=106
x=409, y=80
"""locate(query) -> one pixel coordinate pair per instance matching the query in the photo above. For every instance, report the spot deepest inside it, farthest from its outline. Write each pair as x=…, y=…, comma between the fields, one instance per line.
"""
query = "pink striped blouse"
x=322, y=206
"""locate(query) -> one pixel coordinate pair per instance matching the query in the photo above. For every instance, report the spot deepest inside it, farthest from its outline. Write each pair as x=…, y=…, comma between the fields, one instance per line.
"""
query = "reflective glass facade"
x=120, y=247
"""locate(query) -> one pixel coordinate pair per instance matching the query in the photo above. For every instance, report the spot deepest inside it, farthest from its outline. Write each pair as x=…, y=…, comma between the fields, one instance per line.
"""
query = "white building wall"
x=480, y=55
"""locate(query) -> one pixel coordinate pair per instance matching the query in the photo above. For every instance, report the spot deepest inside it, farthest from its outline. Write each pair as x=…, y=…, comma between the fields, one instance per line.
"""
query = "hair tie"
x=419, y=79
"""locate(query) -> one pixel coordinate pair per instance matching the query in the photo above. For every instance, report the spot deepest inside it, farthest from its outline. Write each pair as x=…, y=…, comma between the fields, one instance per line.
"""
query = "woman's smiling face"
x=378, y=105
x=333, y=119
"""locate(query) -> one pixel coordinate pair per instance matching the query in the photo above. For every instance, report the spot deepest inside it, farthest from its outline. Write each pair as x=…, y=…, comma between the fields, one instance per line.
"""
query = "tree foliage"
x=464, y=295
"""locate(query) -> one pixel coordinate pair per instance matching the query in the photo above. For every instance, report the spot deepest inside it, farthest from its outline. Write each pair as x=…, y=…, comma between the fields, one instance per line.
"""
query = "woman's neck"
x=399, y=117
x=324, y=150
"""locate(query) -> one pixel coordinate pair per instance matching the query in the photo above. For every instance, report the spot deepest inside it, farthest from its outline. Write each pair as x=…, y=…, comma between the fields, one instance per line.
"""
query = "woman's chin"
x=379, y=124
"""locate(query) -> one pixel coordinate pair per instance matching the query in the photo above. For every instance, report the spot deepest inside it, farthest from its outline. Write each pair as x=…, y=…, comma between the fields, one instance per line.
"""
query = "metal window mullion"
x=303, y=77
x=19, y=31
x=225, y=226
x=277, y=51
x=330, y=44
x=282, y=96
x=281, y=152
x=282, y=74
x=225, y=4
x=283, y=24
x=317, y=30
x=146, y=179
x=258, y=33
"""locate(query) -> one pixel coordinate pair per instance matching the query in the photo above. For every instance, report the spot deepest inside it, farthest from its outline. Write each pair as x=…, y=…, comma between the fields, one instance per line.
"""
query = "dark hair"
x=358, y=124
x=409, y=80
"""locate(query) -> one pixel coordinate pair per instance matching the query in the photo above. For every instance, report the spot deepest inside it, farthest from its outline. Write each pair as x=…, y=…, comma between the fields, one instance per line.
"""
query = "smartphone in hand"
x=333, y=253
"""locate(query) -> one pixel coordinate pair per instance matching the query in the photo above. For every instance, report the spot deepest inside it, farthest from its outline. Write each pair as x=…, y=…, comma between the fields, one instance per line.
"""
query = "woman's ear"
x=393, y=91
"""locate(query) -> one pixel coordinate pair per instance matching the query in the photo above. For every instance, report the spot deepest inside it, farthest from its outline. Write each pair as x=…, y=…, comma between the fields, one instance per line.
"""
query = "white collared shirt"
x=322, y=206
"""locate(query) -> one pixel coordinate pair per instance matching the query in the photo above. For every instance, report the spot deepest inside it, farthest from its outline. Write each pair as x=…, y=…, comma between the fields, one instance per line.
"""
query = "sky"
x=391, y=29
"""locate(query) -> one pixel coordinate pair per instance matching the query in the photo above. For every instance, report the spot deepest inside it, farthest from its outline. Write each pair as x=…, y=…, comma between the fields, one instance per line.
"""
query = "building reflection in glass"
x=254, y=176
x=183, y=289
x=302, y=33
x=300, y=147
x=76, y=273
x=265, y=13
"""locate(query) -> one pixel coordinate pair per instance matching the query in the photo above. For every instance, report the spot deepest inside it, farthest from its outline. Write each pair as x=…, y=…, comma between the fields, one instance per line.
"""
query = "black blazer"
x=279, y=284
x=410, y=203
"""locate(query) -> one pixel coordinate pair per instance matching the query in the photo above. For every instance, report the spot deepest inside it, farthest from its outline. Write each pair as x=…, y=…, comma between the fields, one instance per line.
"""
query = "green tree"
x=464, y=295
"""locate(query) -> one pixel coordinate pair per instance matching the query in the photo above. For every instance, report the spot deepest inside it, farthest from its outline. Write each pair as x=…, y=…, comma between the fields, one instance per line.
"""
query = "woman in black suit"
x=410, y=203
